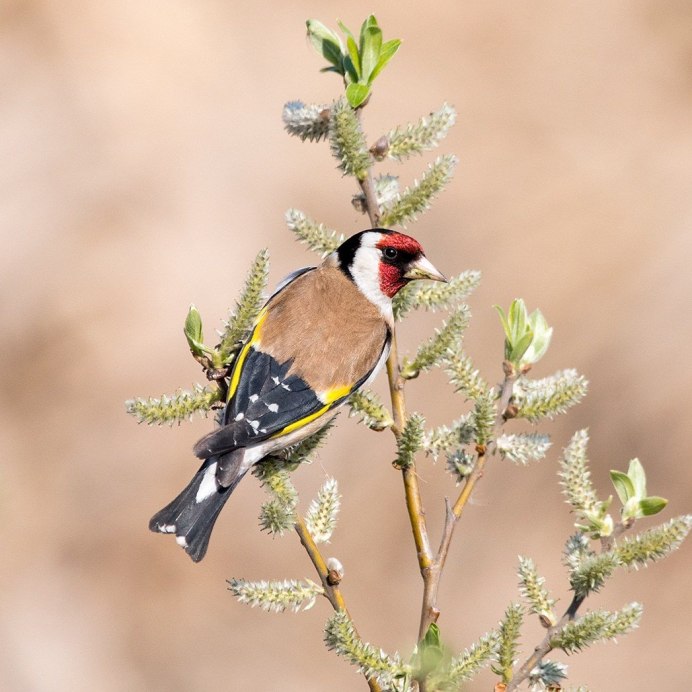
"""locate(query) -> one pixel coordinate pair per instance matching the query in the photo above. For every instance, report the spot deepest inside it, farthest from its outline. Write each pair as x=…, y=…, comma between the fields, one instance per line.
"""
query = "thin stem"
x=414, y=503
x=544, y=648
x=331, y=591
x=432, y=576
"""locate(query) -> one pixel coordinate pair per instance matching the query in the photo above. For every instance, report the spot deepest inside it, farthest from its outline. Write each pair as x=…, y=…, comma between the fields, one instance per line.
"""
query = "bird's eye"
x=390, y=253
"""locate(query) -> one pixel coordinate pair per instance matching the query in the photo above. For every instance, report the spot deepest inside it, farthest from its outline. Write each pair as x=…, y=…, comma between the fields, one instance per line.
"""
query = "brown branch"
x=453, y=513
x=545, y=647
x=332, y=591
x=414, y=503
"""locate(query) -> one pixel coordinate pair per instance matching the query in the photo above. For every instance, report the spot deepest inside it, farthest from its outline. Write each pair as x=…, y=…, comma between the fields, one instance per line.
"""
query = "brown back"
x=333, y=333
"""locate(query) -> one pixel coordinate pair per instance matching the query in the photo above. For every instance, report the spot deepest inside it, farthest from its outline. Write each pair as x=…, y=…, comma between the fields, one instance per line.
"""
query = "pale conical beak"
x=422, y=268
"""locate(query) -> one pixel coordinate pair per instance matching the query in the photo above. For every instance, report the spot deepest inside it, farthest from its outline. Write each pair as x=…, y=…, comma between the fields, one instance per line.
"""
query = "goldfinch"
x=322, y=335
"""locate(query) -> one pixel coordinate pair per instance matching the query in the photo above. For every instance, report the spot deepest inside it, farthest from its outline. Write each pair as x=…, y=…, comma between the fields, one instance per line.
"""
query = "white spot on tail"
x=167, y=528
x=181, y=541
x=208, y=485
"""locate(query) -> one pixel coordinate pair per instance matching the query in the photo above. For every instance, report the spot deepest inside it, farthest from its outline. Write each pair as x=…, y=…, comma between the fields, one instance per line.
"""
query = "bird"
x=323, y=334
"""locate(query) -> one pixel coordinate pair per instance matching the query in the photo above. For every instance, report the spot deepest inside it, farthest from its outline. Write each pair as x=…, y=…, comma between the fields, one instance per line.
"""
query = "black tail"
x=191, y=516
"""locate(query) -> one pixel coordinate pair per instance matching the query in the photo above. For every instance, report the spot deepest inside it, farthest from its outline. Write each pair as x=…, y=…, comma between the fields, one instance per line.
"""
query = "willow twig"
x=332, y=591
x=414, y=503
x=545, y=647
x=453, y=513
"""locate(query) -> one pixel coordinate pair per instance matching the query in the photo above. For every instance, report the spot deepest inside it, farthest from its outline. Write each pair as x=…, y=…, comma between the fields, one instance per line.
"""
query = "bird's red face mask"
x=402, y=261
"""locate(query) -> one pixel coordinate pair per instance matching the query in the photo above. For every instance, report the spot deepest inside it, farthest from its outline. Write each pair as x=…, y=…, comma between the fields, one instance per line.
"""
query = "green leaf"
x=326, y=42
x=431, y=653
x=352, y=48
x=517, y=319
x=504, y=321
x=542, y=335
x=387, y=52
x=520, y=347
x=638, y=477
x=370, y=53
x=623, y=485
x=193, y=332
x=356, y=94
x=527, y=337
x=652, y=505
x=432, y=636
x=370, y=21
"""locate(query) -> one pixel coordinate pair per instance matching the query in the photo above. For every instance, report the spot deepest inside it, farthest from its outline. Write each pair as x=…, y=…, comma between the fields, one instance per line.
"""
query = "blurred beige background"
x=144, y=164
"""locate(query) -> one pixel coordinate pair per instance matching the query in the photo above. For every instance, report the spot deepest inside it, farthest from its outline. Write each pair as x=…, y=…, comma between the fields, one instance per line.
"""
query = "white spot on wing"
x=273, y=407
x=254, y=424
x=285, y=386
x=275, y=380
x=240, y=416
x=254, y=397
x=208, y=485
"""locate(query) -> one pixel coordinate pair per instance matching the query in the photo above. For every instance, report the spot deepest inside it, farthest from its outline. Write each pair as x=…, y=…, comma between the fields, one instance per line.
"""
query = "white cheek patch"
x=365, y=270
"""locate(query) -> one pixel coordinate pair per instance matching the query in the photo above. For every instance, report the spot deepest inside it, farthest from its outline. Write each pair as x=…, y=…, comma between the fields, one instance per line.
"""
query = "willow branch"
x=332, y=591
x=453, y=513
x=483, y=451
x=414, y=504
x=545, y=647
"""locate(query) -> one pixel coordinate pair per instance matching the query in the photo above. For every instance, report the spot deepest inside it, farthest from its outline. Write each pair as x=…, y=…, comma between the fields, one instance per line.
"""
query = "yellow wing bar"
x=238, y=368
x=329, y=397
